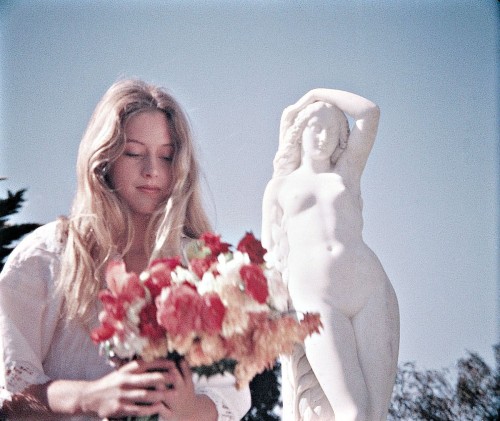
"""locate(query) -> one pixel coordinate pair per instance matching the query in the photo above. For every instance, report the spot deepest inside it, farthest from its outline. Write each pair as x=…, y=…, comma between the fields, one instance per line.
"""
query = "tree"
x=265, y=391
x=470, y=392
x=9, y=233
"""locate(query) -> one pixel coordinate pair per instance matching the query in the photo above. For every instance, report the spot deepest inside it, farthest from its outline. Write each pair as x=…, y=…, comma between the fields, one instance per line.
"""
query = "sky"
x=430, y=187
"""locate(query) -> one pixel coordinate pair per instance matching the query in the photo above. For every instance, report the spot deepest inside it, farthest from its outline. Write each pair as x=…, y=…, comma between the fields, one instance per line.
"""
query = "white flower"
x=229, y=268
x=181, y=275
x=134, y=310
x=131, y=345
x=207, y=284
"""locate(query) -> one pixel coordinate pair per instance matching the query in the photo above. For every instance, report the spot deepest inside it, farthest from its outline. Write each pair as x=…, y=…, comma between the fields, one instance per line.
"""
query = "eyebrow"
x=172, y=145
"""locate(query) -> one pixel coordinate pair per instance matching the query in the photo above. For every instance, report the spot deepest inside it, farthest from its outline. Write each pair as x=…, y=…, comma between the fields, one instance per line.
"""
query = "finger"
x=141, y=410
x=148, y=380
x=157, y=365
x=141, y=366
x=142, y=396
x=185, y=369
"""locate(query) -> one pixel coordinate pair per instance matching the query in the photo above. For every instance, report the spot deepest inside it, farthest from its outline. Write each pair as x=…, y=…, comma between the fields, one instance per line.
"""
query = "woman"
x=138, y=198
x=312, y=221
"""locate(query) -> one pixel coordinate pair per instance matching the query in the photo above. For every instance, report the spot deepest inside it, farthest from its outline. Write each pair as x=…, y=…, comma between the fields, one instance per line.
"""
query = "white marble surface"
x=312, y=223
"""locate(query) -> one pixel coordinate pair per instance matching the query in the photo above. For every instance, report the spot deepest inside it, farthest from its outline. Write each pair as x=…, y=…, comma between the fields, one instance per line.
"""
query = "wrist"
x=82, y=403
x=66, y=396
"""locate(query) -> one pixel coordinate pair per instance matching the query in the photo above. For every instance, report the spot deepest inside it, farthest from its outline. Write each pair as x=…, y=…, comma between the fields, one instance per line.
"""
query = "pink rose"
x=124, y=285
x=213, y=312
x=114, y=306
x=160, y=274
x=200, y=266
x=179, y=312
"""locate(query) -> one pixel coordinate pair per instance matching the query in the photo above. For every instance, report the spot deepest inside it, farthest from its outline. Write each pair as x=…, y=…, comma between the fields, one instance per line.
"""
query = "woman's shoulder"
x=46, y=241
x=51, y=236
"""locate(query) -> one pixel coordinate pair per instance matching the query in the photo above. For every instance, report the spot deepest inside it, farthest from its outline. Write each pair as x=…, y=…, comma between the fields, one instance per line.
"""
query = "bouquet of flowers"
x=221, y=310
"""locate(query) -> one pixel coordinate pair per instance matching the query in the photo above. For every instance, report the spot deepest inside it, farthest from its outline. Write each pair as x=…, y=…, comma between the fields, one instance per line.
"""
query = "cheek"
x=169, y=180
x=305, y=139
x=117, y=175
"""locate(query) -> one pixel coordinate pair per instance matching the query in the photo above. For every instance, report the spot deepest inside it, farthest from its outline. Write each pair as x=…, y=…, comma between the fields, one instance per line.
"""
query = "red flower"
x=122, y=284
x=179, y=313
x=160, y=274
x=148, y=324
x=213, y=242
x=253, y=247
x=114, y=306
x=255, y=282
x=212, y=313
x=200, y=266
x=102, y=332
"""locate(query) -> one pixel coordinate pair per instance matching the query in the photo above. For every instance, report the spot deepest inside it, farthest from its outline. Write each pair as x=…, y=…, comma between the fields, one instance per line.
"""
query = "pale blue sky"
x=430, y=187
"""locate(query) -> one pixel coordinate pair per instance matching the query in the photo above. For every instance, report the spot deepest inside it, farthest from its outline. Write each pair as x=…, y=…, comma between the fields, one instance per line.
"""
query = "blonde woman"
x=138, y=197
x=312, y=221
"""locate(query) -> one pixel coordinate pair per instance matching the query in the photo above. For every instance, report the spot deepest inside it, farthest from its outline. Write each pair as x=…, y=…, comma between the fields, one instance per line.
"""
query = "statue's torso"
x=327, y=257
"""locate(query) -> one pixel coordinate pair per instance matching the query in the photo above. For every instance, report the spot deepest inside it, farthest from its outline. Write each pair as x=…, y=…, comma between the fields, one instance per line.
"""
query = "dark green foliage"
x=469, y=393
x=265, y=392
x=9, y=234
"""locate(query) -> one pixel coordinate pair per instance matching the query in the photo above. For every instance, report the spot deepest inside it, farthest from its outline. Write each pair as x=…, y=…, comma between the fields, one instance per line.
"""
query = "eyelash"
x=137, y=155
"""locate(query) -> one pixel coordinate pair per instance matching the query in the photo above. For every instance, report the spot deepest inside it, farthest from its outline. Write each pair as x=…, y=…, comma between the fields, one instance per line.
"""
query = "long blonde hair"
x=99, y=226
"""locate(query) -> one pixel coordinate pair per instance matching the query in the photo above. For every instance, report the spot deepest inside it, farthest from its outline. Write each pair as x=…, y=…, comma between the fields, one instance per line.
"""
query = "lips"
x=153, y=190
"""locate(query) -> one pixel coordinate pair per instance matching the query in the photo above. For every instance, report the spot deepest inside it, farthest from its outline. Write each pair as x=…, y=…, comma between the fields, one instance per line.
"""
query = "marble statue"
x=312, y=223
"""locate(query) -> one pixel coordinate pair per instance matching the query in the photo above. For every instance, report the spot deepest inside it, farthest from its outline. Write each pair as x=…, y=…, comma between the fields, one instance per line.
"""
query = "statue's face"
x=321, y=134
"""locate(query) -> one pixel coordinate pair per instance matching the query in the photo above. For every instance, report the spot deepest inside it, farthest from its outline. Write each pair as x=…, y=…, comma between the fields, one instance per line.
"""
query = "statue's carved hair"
x=287, y=158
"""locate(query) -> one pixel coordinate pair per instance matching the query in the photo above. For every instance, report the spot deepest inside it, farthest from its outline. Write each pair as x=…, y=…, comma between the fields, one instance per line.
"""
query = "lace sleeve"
x=225, y=413
x=28, y=315
x=18, y=376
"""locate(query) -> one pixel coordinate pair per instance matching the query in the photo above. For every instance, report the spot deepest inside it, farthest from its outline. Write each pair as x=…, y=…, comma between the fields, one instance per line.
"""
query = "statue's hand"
x=290, y=113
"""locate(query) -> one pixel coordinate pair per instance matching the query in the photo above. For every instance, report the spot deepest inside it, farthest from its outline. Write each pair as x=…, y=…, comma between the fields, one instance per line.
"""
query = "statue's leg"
x=333, y=358
x=376, y=328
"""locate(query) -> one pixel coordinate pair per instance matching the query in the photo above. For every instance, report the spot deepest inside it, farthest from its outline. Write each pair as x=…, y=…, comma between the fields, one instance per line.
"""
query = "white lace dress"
x=36, y=345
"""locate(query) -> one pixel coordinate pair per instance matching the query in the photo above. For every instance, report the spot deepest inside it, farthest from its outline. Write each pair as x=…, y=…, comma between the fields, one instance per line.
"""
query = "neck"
x=316, y=166
x=136, y=258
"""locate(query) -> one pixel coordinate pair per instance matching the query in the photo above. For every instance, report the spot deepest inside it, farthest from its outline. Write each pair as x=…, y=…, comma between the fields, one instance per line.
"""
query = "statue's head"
x=289, y=154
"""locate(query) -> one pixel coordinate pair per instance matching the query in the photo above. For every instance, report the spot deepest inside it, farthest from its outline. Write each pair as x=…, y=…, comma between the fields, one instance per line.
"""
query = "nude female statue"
x=312, y=223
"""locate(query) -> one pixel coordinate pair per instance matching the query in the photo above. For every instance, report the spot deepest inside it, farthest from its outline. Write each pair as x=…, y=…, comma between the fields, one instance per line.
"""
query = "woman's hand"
x=146, y=388
x=180, y=401
x=138, y=388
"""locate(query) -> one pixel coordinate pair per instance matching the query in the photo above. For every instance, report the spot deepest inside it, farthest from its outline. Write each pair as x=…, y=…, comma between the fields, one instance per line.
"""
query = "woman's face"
x=321, y=134
x=143, y=175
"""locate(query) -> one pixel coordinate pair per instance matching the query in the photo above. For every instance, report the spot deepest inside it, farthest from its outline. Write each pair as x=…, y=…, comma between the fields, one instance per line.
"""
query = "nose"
x=150, y=167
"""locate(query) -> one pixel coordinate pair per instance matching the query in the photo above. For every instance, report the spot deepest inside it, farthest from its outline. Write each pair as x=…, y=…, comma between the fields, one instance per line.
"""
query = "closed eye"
x=316, y=128
x=132, y=155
